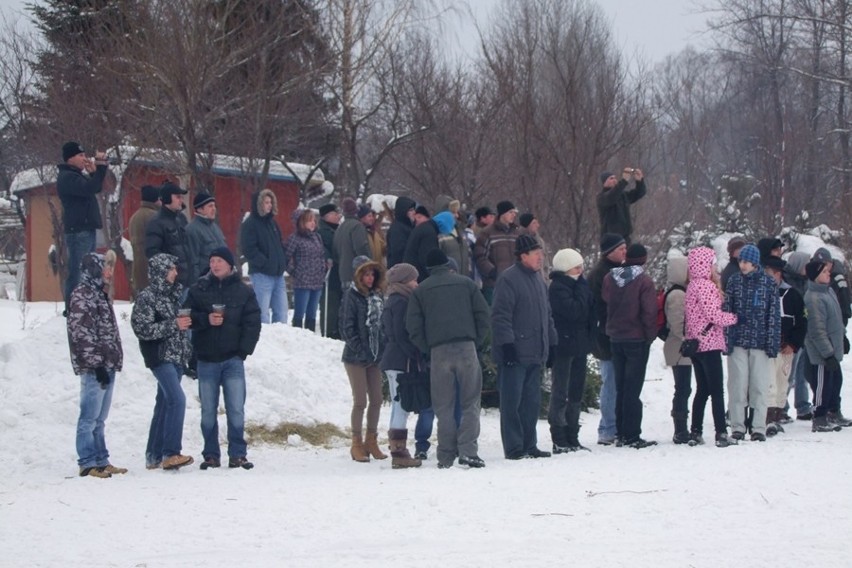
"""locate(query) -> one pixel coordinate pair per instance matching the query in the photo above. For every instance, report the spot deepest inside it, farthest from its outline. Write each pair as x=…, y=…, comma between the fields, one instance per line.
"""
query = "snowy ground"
x=786, y=501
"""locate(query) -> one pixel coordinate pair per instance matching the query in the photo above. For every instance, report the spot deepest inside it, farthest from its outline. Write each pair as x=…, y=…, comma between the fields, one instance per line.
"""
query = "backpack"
x=662, y=322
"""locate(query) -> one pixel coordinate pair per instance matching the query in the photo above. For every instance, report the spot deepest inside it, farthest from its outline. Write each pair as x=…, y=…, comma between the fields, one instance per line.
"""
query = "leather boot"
x=681, y=431
x=371, y=444
x=310, y=325
x=358, y=451
x=296, y=322
x=400, y=458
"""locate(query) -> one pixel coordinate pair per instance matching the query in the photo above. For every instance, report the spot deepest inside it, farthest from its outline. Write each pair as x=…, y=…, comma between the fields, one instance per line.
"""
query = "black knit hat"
x=610, y=242
x=168, y=189
x=421, y=210
x=150, y=193
x=637, y=255
x=202, y=198
x=605, y=176
x=504, y=207
x=363, y=211
x=813, y=268
x=525, y=219
x=326, y=209
x=525, y=244
x=436, y=257
x=71, y=149
x=224, y=253
x=483, y=212
x=774, y=262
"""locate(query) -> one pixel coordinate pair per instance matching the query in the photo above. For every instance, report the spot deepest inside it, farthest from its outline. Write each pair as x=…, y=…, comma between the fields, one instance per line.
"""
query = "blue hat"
x=751, y=254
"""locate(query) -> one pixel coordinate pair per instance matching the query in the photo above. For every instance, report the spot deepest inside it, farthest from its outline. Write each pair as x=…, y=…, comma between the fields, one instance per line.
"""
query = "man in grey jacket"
x=350, y=241
x=447, y=317
x=203, y=235
x=524, y=339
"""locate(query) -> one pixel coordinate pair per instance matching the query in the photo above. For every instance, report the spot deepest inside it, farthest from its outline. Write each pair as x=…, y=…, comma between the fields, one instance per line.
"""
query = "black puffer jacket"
x=260, y=239
x=153, y=317
x=400, y=354
x=80, y=210
x=572, y=304
x=399, y=231
x=238, y=334
x=166, y=233
x=354, y=328
x=423, y=239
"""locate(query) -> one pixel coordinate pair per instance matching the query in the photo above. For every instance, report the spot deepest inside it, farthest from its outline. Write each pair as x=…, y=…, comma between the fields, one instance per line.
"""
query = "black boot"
x=310, y=325
x=681, y=432
x=572, y=430
x=557, y=436
x=297, y=322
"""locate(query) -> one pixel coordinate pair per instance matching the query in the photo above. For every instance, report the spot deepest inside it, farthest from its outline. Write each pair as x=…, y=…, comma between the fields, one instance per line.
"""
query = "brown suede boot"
x=399, y=453
x=371, y=444
x=358, y=451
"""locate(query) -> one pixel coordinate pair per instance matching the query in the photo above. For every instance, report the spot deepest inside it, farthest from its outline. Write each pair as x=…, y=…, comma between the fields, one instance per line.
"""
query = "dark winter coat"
x=520, y=314
x=203, y=236
x=80, y=210
x=494, y=251
x=240, y=330
x=154, y=317
x=794, y=319
x=399, y=231
x=754, y=299
x=350, y=240
x=614, y=207
x=733, y=267
x=423, y=239
x=631, y=299
x=400, y=353
x=326, y=232
x=93, y=336
x=136, y=227
x=354, y=329
x=572, y=305
x=166, y=233
x=826, y=330
x=261, y=240
x=601, y=348
x=446, y=308
x=306, y=260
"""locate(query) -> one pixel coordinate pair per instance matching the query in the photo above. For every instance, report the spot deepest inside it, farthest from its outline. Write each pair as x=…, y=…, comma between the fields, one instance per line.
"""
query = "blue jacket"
x=754, y=298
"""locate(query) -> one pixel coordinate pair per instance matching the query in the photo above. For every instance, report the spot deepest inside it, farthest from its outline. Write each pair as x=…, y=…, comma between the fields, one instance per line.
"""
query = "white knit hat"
x=566, y=259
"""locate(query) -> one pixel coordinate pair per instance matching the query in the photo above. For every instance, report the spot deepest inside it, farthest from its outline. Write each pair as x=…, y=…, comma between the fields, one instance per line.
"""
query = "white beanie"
x=566, y=259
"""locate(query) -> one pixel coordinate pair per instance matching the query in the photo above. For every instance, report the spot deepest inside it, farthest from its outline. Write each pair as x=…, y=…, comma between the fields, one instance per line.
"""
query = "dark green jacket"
x=446, y=308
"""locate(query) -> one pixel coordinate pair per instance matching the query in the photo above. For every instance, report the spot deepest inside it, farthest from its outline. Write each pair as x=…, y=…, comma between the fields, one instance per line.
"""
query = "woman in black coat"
x=571, y=302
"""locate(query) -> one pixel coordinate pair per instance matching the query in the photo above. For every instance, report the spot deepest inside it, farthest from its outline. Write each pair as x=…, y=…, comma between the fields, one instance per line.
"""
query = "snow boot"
x=695, y=439
x=310, y=324
x=681, y=432
x=99, y=472
x=771, y=427
x=371, y=444
x=558, y=436
x=572, y=429
x=821, y=424
x=296, y=322
x=112, y=470
x=177, y=461
x=400, y=458
x=358, y=452
x=722, y=440
x=838, y=419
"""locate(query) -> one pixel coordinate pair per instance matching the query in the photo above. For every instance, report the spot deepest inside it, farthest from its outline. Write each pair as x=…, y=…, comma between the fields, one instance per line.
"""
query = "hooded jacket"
x=454, y=245
x=794, y=272
x=167, y=233
x=354, y=328
x=676, y=270
x=753, y=297
x=77, y=191
x=93, y=337
x=154, y=314
x=261, y=240
x=703, y=303
x=826, y=331
x=400, y=230
x=631, y=299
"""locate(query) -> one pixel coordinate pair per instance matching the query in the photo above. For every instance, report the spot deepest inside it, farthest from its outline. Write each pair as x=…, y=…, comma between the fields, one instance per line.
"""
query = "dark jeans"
x=78, y=245
x=826, y=387
x=520, y=399
x=630, y=358
x=166, y=432
x=682, y=389
x=709, y=383
x=569, y=380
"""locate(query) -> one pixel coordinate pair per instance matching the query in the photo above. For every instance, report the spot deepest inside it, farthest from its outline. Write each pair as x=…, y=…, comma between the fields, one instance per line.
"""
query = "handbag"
x=689, y=347
x=414, y=389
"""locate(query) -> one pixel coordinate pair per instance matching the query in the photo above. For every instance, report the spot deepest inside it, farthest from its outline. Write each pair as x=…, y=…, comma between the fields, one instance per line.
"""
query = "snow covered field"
x=783, y=502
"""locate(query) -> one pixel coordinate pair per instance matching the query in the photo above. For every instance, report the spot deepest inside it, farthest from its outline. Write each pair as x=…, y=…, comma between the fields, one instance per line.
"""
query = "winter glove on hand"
x=102, y=376
x=510, y=355
x=551, y=356
x=831, y=364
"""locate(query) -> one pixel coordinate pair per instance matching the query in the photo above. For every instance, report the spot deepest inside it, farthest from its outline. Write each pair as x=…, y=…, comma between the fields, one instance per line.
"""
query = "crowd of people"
x=435, y=292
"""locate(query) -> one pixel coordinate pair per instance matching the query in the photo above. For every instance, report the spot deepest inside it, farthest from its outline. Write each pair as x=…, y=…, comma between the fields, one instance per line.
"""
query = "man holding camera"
x=615, y=199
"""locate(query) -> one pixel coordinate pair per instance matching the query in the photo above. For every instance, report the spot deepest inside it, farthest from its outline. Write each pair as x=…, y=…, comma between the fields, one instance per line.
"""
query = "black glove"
x=832, y=365
x=102, y=376
x=845, y=345
x=551, y=357
x=510, y=355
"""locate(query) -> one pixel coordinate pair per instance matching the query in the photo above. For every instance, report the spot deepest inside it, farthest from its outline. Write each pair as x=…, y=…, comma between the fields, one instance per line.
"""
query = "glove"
x=551, y=356
x=102, y=376
x=832, y=365
x=845, y=345
x=510, y=355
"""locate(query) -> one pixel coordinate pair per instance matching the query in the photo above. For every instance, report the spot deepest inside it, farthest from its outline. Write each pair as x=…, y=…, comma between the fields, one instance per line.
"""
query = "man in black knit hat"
x=615, y=199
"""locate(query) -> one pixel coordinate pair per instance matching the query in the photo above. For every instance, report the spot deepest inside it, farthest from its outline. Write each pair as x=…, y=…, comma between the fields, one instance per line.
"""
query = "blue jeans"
x=520, y=400
x=799, y=383
x=94, y=409
x=78, y=245
x=305, y=303
x=166, y=432
x=606, y=427
x=230, y=376
x=271, y=292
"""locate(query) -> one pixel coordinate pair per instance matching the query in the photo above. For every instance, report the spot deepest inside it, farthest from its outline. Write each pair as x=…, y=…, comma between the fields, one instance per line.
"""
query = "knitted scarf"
x=375, y=303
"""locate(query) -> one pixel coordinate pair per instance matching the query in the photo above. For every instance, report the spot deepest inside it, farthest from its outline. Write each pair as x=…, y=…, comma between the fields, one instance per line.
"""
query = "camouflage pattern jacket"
x=154, y=313
x=92, y=329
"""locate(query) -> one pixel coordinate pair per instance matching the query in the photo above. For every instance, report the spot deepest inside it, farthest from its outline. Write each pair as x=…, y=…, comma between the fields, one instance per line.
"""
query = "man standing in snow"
x=350, y=241
x=203, y=235
x=225, y=330
x=96, y=355
x=138, y=222
x=331, y=293
x=167, y=231
x=494, y=249
x=615, y=199
x=78, y=181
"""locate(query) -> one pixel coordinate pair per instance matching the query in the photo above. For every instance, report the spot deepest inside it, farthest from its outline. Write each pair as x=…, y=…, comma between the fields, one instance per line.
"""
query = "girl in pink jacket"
x=705, y=320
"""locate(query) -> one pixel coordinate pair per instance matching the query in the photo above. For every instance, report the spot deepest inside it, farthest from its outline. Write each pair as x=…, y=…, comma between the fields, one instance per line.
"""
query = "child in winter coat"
x=705, y=321
x=307, y=266
x=681, y=366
